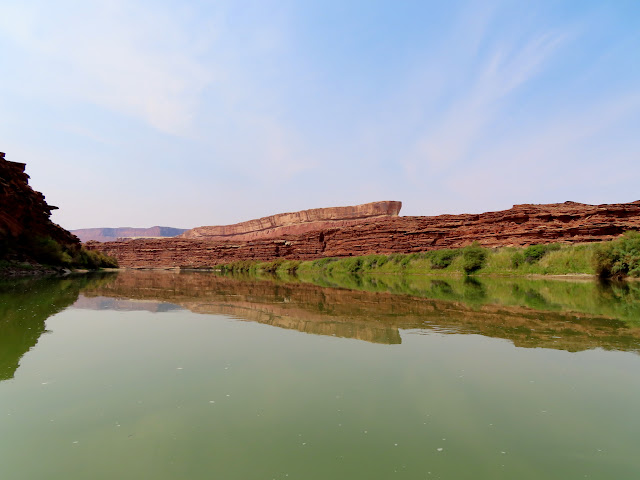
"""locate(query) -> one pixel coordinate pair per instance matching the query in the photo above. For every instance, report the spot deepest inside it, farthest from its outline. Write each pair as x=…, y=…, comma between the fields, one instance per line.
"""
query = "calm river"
x=158, y=375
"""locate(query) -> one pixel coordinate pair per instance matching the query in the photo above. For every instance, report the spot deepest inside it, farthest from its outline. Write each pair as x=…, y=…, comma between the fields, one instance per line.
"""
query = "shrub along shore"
x=618, y=258
x=44, y=255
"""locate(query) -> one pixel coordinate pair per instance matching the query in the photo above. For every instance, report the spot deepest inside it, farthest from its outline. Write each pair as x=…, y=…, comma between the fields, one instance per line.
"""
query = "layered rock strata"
x=24, y=213
x=298, y=222
x=521, y=225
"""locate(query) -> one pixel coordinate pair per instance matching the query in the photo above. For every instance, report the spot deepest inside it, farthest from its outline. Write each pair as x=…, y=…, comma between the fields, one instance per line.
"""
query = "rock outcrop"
x=112, y=234
x=24, y=213
x=521, y=225
x=298, y=222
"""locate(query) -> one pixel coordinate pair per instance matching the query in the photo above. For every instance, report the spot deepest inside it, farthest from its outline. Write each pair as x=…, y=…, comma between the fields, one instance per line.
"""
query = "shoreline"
x=22, y=270
x=575, y=262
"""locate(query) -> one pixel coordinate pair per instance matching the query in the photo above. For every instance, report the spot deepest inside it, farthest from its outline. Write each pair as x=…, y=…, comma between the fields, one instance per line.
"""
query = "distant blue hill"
x=111, y=234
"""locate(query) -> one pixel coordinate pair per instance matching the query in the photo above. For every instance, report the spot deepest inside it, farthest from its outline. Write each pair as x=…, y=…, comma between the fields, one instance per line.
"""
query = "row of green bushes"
x=468, y=260
x=279, y=265
x=617, y=258
x=532, y=254
x=47, y=251
x=473, y=259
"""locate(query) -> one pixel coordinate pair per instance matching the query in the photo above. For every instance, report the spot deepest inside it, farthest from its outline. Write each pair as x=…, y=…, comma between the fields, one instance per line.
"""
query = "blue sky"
x=188, y=113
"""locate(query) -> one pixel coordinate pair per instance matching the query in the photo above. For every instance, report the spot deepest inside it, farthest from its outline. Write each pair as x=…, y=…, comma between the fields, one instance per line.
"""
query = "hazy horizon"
x=186, y=114
x=240, y=221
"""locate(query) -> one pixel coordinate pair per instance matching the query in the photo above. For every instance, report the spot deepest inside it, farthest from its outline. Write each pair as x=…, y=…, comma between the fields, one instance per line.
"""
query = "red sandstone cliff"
x=567, y=222
x=24, y=213
x=298, y=222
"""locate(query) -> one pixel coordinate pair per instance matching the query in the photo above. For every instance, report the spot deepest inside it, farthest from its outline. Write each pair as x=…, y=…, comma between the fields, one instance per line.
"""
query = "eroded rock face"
x=298, y=222
x=24, y=213
x=521, y=225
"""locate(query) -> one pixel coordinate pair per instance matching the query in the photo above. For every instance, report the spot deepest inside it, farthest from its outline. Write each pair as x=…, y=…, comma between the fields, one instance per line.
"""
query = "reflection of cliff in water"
x=371, y=316
x=256, y=301
x=25, y=304
x=123, y=305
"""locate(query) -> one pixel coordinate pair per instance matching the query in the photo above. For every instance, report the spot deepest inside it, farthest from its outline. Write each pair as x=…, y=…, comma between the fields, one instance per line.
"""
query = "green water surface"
x=192, y=376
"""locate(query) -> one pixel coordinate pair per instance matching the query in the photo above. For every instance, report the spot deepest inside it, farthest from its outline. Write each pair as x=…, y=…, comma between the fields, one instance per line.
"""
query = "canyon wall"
x=24, y=213
x=521, y=225
x=298, y=222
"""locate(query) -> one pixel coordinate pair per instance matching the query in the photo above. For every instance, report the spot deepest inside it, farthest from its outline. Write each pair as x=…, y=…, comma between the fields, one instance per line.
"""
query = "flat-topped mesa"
x=297, y=222
x=520, y=225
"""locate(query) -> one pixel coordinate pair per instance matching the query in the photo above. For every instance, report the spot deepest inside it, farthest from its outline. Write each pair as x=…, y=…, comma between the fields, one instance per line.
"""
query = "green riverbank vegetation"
x=38, y=253
x=619, y=258
x=614, y=259
x=611, y=299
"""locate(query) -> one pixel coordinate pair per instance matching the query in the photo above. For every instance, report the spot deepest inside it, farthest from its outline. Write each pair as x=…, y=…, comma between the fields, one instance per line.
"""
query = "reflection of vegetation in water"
x=532, y=298
x=376, y=308
x=559, y=314
x=473, y=291
x=530, y=313
x=623, y=297
x=25, y=304
x=620, y=300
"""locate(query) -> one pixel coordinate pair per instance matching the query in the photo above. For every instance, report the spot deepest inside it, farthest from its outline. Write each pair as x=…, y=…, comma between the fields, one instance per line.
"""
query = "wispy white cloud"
x=570, y=155
x=156, y=66
x=474, y=106
x=135, y=61
x=457, y=127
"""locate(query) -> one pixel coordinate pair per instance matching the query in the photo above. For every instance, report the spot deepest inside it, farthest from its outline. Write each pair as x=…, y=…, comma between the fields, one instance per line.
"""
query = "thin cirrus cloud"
x=569, y=155
x=465, y=120
x=279, y=106
x=114, y=55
